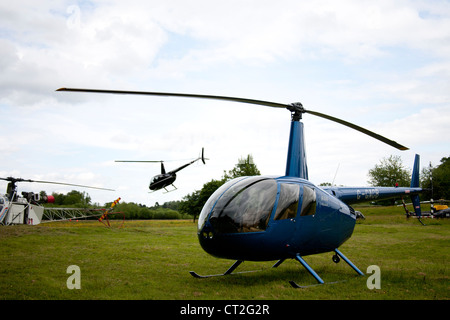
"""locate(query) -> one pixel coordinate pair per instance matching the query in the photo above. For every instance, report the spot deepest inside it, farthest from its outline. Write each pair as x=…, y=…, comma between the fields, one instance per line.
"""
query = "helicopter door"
x=307, y=222
x=284, y=220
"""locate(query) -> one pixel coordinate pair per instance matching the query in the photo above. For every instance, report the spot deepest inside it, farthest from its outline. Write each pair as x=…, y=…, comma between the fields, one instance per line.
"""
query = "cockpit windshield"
x=212, y=201
x=245, y=204
x=244, y=207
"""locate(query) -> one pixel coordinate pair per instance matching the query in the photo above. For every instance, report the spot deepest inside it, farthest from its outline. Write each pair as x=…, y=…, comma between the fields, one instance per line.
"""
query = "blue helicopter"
x=274, y=218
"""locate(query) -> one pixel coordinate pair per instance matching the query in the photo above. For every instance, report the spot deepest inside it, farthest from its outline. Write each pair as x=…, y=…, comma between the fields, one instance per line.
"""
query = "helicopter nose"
x=210, y=242
x=207, y=233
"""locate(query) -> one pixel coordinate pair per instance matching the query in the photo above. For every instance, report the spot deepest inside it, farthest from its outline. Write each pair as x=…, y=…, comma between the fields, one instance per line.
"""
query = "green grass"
x=151, y=259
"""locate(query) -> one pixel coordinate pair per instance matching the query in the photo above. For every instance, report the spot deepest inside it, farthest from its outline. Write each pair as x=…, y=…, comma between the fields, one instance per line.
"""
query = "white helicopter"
x=27, y=208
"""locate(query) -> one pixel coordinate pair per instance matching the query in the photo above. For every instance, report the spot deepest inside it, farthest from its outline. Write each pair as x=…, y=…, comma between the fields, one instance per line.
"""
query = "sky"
x=383, y=65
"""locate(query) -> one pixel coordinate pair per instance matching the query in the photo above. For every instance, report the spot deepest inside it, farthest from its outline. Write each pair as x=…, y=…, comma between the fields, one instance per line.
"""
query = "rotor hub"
x=296, y=110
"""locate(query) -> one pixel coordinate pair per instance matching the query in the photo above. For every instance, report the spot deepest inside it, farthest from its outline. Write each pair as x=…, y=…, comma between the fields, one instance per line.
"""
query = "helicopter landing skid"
x=196, y=275
x=316, y=276
x=292, y=283
x=167, y=191
x=228, y=272
x=296, y=286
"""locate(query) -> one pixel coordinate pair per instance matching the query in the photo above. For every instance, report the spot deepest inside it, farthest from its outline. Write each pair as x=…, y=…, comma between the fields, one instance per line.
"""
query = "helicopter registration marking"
x=367, y=194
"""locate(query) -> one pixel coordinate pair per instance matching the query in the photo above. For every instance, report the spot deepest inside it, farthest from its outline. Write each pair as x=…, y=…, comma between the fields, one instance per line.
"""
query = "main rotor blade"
x=11, y=179
x=244, y=100
x=137, y=161
x=183, y=95
x=71, y=184
x=360, y=129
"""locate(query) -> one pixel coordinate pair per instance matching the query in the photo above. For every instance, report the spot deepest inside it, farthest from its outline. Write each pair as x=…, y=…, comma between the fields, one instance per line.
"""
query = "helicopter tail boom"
x=202, y=157
x=352, y=195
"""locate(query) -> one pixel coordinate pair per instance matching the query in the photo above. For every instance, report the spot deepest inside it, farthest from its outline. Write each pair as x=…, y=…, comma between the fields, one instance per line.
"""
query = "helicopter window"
x=154, y=179
x=309, y=201
x=287, y=202
x=212, y=201
x=245, y=207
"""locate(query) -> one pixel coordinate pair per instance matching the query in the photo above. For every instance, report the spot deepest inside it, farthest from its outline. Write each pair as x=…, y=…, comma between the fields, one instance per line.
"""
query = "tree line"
x=130, y=210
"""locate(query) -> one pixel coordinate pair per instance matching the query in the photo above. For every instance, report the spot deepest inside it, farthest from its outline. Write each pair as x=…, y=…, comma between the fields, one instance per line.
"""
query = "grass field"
x=151, y=260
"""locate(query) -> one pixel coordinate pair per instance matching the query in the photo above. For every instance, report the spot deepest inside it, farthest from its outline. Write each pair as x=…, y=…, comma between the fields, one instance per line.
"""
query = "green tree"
x=389, y=172
x=194, y=202
x=190, y=204
x=436, y=180
x=441, y=179
x=244, y=167
x=72, y=198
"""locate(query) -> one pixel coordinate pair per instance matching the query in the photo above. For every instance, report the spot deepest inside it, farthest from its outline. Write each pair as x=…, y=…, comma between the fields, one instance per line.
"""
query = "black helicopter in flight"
x=274, y=218
x=165, y=179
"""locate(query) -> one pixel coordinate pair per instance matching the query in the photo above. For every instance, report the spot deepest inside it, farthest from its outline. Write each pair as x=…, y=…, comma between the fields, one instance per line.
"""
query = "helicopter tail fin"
x=415, y=184
x=203, y=156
